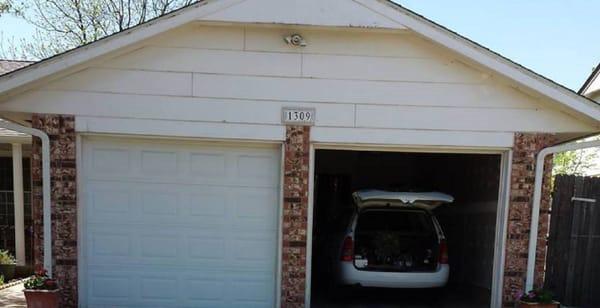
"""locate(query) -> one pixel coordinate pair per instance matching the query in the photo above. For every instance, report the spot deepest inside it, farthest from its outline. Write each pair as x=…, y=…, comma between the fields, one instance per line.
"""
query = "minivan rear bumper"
x=349, y=275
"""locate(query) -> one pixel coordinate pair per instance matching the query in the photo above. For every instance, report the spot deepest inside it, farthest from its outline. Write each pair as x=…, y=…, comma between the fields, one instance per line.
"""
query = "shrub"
x=6, y=257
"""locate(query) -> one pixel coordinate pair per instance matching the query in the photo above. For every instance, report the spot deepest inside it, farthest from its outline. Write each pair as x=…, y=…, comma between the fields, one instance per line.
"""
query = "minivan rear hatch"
x=378, y=198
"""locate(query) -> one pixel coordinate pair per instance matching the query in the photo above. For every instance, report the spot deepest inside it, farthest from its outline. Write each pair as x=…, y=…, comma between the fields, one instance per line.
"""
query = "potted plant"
x=42, y=291
x=538, y=298
x=7, y=265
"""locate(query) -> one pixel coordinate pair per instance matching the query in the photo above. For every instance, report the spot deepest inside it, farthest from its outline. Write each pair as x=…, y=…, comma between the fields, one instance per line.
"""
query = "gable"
x=330, y=13
x=374, y=17
x=245, y=75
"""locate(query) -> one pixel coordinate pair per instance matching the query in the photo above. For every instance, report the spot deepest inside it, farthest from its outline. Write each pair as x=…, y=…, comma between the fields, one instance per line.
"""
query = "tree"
x=4, y=6
x=579, y=162
x=65, y=24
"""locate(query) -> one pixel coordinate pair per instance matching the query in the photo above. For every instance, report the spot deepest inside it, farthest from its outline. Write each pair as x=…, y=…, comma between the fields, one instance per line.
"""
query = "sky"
x=559, y=39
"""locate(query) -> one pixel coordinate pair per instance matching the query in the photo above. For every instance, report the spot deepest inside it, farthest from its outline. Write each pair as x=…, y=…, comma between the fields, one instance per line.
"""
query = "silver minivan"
x=394, y=241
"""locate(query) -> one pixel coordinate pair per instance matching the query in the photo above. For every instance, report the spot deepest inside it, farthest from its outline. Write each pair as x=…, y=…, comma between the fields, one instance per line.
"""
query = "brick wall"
x=61, y=130
x=295, y=211
x=525, y=152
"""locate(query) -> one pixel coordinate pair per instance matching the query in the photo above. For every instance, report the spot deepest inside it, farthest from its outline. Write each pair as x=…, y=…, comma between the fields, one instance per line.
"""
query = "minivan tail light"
x=348, y=249
x=443, y=252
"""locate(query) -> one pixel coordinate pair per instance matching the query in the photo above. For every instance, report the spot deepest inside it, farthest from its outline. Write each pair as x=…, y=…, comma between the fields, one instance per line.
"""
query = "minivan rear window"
x=397, y=221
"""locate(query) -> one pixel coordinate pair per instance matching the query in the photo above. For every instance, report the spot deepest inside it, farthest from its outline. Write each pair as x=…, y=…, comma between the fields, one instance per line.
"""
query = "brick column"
x=295, y=211
x=61, y=130
x=525, y=152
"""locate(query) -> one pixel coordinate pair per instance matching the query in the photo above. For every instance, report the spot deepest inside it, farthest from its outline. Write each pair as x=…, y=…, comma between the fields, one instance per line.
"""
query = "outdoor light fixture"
x=295, y=40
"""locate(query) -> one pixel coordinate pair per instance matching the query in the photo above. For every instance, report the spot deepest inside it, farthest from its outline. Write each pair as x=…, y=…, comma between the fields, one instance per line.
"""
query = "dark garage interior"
x=469, y=223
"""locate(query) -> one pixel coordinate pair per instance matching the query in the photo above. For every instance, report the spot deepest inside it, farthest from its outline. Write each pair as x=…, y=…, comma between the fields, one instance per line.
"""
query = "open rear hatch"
x=377, y=198
x=395, y=232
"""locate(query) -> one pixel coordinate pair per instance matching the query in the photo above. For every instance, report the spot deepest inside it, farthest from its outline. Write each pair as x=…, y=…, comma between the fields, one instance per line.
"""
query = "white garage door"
x=179, y=224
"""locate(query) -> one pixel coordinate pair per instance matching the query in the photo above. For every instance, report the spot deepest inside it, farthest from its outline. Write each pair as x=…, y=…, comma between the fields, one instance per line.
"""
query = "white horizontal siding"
x=476, y=119
x=175, y=108
x=209, y=61
x=359, y=91
x=369, y=83
x=199, y=36
x=335, y=13
x=126, y=81
x=389, y=69
x=340, y=43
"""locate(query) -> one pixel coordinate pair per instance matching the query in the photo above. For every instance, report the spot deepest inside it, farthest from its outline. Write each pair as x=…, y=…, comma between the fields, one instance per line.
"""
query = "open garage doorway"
x=412, y=244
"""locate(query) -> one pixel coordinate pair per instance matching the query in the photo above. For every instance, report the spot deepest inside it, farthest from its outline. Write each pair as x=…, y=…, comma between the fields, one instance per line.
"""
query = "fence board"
x=572, y=267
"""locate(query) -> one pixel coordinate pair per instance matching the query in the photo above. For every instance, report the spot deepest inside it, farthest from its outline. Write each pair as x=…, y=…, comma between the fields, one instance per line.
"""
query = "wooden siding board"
x=209, y=61
x=126, y=81
x=462, y=118
x=175, y=108
x=201, y=36
x=340, y=43
x=358, y=91
x=389, y=69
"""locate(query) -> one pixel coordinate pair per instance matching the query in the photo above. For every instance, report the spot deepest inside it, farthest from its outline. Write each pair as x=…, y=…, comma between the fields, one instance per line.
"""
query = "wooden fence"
x=573, y=261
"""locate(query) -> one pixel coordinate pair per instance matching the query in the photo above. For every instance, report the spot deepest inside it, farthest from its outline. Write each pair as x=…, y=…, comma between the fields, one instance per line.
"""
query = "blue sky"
x=559, y=39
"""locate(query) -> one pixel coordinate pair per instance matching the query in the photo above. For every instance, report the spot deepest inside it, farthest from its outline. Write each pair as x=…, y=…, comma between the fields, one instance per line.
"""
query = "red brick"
x=295, y=213
x=63, y=172
x=526, y=147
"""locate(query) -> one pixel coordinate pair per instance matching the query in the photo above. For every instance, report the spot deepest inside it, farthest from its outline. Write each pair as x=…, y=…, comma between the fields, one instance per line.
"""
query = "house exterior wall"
x=523, y=167
x=231, y=83
x=395, y=88
x=63, y=175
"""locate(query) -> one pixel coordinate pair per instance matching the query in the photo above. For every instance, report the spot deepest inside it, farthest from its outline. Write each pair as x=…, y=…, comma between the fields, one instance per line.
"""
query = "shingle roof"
x=590, y=79
x=7, y=66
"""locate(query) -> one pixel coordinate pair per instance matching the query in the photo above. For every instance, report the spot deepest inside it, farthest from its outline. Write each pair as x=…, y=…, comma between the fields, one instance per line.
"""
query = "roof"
x=588, y=82
x=7, y=66
x=6, y=135
x=10, y=136
x=364, y=14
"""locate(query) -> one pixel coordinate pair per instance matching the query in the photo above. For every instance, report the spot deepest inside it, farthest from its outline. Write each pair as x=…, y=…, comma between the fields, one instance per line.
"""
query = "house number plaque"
x=298, y=116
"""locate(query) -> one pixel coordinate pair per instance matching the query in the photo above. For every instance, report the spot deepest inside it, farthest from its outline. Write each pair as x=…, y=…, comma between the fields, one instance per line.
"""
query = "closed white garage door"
x=179, y=224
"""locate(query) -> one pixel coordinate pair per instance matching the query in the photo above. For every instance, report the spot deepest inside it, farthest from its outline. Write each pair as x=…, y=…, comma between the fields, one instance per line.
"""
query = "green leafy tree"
x=65, y=24
x=4, y=6
x=580, y=162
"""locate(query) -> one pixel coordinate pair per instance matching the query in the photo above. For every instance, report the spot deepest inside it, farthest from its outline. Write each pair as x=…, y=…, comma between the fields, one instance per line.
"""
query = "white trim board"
x=389, y=13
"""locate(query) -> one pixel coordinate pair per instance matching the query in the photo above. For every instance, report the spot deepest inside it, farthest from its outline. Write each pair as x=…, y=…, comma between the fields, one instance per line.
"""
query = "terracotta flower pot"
x=42, y=298
x=538, y=305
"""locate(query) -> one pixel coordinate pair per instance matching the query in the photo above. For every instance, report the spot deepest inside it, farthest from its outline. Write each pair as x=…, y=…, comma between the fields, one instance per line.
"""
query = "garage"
x=468, y=224
x=179, y=223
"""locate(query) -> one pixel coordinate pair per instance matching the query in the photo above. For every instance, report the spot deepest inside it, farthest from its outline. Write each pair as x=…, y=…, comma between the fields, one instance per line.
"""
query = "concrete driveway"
x=13, y=297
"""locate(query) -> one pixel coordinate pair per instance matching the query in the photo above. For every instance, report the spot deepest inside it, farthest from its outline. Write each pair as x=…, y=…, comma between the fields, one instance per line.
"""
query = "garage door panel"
x=171, y=224
x=189, y=288
x=187, y=164
x=244, y=207
x=190, y=251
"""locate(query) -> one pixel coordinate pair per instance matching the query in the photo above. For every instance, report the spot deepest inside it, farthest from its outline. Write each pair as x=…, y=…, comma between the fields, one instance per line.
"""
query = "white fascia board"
x=112, y=43
x=484, y=57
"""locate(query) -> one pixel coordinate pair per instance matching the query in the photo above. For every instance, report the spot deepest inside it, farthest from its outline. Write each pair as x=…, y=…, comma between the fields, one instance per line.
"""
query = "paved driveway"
x=12, y=297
